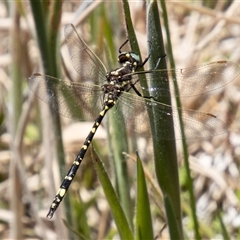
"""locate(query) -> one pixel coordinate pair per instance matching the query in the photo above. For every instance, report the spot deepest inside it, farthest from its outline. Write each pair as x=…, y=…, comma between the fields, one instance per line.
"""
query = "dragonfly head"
x=126, y=58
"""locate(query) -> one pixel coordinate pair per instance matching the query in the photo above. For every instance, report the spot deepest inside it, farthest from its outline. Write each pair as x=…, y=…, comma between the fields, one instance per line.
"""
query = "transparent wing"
x=196, y=124
x=74, y=100
x=84, y=61
x=84, y=101
x=191, y=81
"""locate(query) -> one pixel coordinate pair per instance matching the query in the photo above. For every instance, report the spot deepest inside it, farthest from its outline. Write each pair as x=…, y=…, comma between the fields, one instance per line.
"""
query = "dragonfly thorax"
x=115, y=85
x=117, y=81
x=130, y=62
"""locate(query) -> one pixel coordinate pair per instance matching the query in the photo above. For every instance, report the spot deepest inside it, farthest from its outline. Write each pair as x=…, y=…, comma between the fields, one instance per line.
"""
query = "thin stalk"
x=118, y=142
x=117, y=211
x=184, y=144
x=165, y=156
x=143, y=226
x=16, y=102
x=47, y=19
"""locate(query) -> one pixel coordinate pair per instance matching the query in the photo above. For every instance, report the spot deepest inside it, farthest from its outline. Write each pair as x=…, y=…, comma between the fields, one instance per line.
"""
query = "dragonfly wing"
x=191, y=81
x=85, y=62
x=70, y=99
x=136, y=112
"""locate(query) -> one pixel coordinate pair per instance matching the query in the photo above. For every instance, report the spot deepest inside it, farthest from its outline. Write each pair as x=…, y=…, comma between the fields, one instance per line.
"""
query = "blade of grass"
x=165, y=156
x=115, y=129
x=16, y=101
x=116, y=209
x=184, y=144
x=131, y=35
x=143, y=228
x=116, y=133
x=223, y=227
x=47, y=27
x=165, y=159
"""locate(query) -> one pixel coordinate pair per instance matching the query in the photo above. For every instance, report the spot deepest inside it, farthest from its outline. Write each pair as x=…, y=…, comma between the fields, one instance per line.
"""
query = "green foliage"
x=115, y=206
x=143, y=226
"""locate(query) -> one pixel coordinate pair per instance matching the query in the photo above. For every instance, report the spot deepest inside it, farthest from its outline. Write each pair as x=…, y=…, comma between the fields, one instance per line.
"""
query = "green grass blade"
x=143, y=227
x=164, y=151
x=223, y=227
x=184, y=144
x=129, y=28
x=47, y=29
x=116, y=209
x=120, y=165
x=16, y=189
x=116, y=131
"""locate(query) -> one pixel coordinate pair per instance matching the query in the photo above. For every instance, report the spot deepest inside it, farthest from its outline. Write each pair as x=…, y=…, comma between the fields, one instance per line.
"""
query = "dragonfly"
x=100, y=90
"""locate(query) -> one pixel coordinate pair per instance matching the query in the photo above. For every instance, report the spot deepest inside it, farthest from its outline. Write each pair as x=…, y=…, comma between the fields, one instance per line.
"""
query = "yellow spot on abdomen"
x=102, y=113
x=53, y=205
x=68, y=178
x=62, y=192
x=76, y=162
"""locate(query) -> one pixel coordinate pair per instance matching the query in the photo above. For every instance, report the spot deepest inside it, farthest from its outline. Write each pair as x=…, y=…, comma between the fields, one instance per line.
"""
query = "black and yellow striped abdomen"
x=77, y=162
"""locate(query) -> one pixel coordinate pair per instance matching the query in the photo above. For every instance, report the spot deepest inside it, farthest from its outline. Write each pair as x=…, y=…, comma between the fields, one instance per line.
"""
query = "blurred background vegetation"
x=31, y=152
